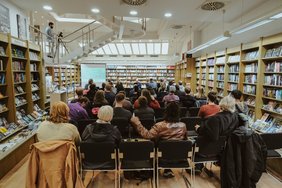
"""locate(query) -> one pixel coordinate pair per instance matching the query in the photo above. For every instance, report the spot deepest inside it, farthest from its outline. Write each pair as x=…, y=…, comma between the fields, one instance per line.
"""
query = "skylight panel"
x=113, y=48
x=157, y=48
x=142, y=48
x=135, y=48
x=95, y=52
x=120, y=48
x=164, y=48
x=127, y=49
x=101, y=51
x=107, y=50
x=150, y=48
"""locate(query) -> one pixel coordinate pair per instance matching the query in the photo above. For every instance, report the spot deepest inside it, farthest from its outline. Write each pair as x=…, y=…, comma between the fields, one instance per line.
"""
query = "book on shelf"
x=220, y=60
x=33, y=67
x=19, y=77
x=249, y=89
x=2, y=51
x=210, y=62
x=274, y=52
x=274, y=67
x=234, y=68
x=233, y=58
x=220, y=77
x=273, y=106
x=211, y=70
x=251, y=68
x=204, y=63
x=251, y=79
x=233, y=77
x=250, y=101
x=231, y=86
x=18, y=66
x=273, y=93
x=274, y=79
x=19, y=90
x=220, y=84
x=1, y=65
x=268, y=124
x=17, y=53
x=220, y=69
x=251, y=55
x=2, y=78
x=210, y=83
x=33, y=56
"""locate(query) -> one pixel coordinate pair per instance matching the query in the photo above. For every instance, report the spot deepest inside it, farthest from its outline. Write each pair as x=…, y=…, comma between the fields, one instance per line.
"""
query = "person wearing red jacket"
x=152, y=102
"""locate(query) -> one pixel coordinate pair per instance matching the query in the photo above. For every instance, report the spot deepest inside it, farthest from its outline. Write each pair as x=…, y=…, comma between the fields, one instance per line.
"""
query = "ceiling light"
x=95, y=10
x=47, y=7
x=133, y=12
x=168, y=15
x=252, y=26
x=277, y=16
x=35, y=12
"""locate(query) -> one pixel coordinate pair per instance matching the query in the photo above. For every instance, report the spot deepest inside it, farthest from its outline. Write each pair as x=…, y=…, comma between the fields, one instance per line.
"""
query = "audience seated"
x=221, y=124
x=171, y=97
x=126, y=104
x=119, y=111
x=188, y=100
x=169, y=129
x=241, y=107
x=200, y=93
x=109, y=95
x=152, y=102
x=119, y=86
x=178, y=92
x=144, y=111
x=211, y=108
x=77, y=110
x=102, y=130
x=79, y=93
x=181, y=87
x=99, y=99
x=57, y=126
x=162, y=92
x=134, y=93
x=92, y=91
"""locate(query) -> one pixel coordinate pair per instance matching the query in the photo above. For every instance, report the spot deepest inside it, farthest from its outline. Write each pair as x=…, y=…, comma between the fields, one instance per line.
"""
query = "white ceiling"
x=184, y=12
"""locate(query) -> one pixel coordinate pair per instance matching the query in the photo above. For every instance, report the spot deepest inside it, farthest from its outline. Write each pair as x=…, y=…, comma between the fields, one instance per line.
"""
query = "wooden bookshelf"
x=233, y=68
x=211, y=72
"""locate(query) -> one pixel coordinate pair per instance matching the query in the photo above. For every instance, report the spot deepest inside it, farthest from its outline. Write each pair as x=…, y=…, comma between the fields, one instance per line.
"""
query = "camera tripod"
x=60, y=42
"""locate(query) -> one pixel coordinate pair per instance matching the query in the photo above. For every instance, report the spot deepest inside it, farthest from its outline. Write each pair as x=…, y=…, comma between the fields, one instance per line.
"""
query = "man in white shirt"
x=50, y=39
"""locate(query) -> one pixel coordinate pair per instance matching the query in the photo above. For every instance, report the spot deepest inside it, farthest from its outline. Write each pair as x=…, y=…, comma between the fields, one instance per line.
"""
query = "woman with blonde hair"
x=57, y=127
x=200, y=93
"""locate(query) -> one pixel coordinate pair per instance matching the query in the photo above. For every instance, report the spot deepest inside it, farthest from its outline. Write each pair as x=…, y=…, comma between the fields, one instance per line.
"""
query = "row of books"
x=2, y=78
x=220, y=69
x=220, y=84
x=18, y=65
x=34, y=76
x=220, y=93
x=249, y=89
x=19, y=77
x=19, y=90
x=273, y=93
x=2, y=68
x=251, y=79
x=250, y=101
x=2, y=51
x=204, y=63
x=220, y=77
x=273, y=67
x=203, y=82
x=251, y=67
x=203, y=76
x=33, y=56
x=251, y=55
x=197, y=64
x=274, y=52
x=233, y=78
x=33, y=67
x=268, y=124
x=220, y=60
x=211, y=70
x=274, y=79
x=211, y=76
x=210, y=83
x=273, y=106
x=231, y=86
x=18, y=53
x=19, y=100
x=234, y=58
x=234, y=68
x=210, y=62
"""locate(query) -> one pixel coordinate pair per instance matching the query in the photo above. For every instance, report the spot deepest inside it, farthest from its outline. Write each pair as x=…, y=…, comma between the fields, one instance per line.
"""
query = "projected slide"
x=95, y=71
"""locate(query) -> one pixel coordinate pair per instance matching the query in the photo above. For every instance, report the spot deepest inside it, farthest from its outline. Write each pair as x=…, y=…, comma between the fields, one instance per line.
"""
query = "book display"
x=21, y=90
x=233, y=63
x=198, y=72
x=220, y=70
x=211, y=72
x=128, y=74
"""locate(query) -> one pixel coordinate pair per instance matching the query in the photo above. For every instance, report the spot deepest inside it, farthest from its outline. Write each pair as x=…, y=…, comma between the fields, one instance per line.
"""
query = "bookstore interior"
x=51, y=49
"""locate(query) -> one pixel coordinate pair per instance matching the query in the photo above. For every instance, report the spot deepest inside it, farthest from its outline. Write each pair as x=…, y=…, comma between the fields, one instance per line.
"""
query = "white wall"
x=13, y=11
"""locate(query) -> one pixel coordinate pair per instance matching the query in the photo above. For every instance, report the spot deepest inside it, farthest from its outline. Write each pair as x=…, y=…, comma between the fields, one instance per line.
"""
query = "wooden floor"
x=16, y=178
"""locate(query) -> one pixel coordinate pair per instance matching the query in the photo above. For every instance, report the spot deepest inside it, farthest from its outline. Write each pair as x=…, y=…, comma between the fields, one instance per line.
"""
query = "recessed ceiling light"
x=95, y=10
x=35, y=11
x=47, y=7
x=167, y=14
x=133, y=12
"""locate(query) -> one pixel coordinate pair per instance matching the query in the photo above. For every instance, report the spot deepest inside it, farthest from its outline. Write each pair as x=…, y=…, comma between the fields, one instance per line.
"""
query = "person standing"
x=90, y=82
x=50, y=39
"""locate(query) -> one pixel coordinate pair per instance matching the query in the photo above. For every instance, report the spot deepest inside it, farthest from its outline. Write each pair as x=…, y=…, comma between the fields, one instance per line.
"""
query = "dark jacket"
x=110, y=97
x=161, y=95
x=243, y=160
x=119, y=87
x=120, y=112
x=188, y=101
x=101, y=132
x=145, y=113
x=221, y=124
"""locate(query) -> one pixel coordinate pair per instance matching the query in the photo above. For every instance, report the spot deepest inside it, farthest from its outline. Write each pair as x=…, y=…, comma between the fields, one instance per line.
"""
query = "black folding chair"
x=98, y=157
x=81, y=124
x=273, y=141
x=159, y=113
x=137, y=155
x=183, y=111
x=175, y=154
x=190, y=125
x=193, y=111
x=159, y=120
x=206, y=150
x=122, y=125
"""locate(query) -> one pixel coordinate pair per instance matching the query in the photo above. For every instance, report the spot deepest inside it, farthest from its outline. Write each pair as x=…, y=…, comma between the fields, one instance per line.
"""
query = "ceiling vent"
x=177, y=26
x=134, y=2
x=212, y=5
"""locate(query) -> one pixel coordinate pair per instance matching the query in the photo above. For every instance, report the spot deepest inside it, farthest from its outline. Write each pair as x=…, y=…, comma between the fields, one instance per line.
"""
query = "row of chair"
x=139, y=155
x=127, y=131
